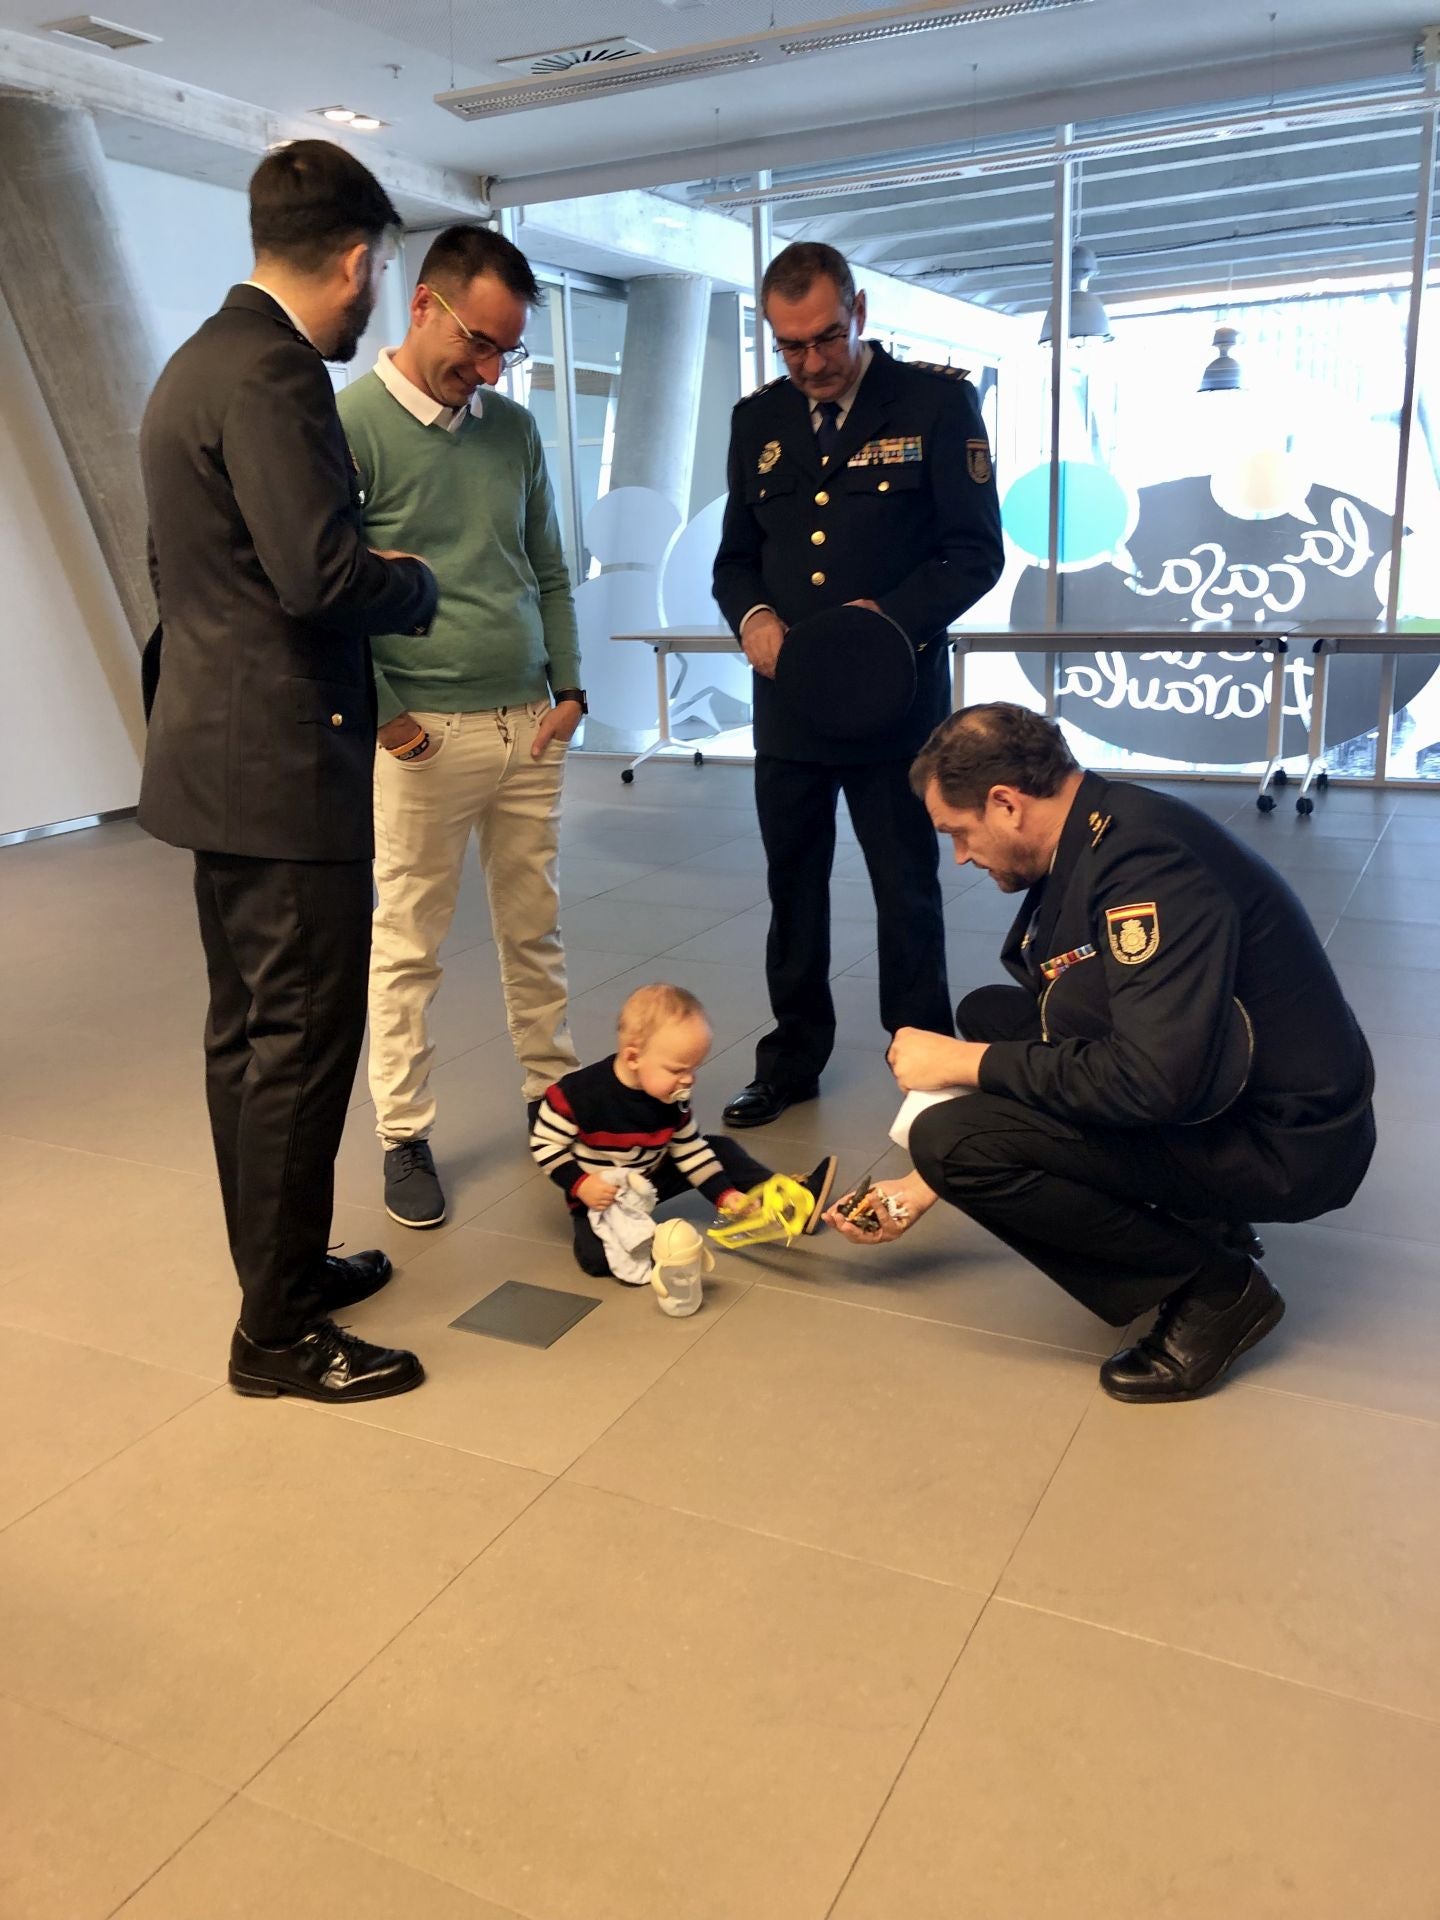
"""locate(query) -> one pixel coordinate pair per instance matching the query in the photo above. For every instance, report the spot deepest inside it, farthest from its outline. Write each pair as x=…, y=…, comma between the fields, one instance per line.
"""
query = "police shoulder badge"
x=1134, y=932
x=769, y=457
x=977, y=459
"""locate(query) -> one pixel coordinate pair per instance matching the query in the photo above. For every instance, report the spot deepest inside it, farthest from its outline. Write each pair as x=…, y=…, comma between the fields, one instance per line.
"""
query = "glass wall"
x=1227, y=439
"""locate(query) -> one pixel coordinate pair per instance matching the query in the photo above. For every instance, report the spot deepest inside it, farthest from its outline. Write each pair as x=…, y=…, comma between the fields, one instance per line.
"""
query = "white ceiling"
x=294, y=55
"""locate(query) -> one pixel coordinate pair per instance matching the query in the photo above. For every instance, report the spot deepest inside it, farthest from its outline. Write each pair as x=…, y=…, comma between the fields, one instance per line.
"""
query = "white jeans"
x=480, y=779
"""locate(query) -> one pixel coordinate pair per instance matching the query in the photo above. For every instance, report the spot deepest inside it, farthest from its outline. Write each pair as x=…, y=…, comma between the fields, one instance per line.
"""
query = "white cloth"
x=626, y=1230
x=913, y=1105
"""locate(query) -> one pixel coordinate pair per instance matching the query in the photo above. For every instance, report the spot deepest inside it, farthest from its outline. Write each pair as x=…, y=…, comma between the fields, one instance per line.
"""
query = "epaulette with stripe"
x=756, y=393
x=934, y=366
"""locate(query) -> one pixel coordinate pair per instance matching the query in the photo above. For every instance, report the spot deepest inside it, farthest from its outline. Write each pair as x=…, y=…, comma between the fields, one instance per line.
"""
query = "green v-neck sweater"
x=476, y=503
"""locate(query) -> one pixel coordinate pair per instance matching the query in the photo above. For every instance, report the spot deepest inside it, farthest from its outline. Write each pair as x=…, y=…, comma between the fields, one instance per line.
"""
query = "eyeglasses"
x=482, y=348
x=822, y=343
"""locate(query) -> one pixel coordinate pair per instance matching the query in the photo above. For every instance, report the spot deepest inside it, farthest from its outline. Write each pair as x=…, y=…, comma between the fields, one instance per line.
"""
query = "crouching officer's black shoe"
x=325, y=1363
x=1193, y=1343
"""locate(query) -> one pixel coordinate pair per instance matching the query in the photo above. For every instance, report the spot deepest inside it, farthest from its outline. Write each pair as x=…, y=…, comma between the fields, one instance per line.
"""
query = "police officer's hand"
x=762, y=637
x=870, y=606
x=908, y=1199
x=925, y=1062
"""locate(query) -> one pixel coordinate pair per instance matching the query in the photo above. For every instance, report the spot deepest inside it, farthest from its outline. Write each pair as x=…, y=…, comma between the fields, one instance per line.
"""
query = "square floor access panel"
x=533, y=1316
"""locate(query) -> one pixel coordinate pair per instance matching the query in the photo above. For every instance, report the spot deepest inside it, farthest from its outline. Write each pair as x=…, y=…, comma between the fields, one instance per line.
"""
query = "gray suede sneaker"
x=413, y=1194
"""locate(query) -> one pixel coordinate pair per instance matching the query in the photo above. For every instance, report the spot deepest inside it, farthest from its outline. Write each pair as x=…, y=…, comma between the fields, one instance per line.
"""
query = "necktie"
x=828, y=431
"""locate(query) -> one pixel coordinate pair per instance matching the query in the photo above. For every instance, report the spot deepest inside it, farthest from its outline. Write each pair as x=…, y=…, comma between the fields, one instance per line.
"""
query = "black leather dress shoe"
x=347, y=1282
x=761, y=1102
x=327, y=1363
x=1192, y=1344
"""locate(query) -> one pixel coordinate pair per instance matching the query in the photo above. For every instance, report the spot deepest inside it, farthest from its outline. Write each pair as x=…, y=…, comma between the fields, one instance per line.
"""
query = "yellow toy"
x=775, y=1210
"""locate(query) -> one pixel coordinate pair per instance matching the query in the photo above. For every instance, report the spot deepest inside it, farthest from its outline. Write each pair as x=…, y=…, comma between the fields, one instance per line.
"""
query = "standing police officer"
x=1175, y=1060
x=857, y=480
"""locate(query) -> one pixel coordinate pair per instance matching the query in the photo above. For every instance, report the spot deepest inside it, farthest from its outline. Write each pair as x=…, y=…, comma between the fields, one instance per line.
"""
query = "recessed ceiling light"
x=350, y=117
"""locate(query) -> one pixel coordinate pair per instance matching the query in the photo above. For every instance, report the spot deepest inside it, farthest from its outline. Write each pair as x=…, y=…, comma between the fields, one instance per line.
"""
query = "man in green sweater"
x=474, y=719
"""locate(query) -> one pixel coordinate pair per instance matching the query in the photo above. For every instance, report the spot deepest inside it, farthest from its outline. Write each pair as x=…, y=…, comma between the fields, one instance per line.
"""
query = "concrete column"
x=68, y=285
x=666, y=318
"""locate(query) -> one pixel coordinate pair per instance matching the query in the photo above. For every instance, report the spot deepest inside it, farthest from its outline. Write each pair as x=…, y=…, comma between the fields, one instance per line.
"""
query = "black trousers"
x=287, y=948
x=795, y=801
x=1100, y=1210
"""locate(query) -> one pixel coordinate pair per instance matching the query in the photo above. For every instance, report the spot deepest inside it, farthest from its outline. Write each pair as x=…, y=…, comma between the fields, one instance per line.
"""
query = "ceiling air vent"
x=101, y=33
x=594, y=53
x=619, y=65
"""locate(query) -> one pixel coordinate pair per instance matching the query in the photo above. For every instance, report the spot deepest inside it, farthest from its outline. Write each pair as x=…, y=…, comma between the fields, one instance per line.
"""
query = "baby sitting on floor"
x=630, y=1114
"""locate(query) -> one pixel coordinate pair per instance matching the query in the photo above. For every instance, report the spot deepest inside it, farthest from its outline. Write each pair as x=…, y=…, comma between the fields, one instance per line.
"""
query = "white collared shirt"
x=847, y=399
x=289, y=312
x=416, y=401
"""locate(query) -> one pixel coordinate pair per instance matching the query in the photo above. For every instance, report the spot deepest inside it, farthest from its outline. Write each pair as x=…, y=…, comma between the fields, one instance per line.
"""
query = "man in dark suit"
x=1175, y=1060
x=261, y=745
x=859, y=480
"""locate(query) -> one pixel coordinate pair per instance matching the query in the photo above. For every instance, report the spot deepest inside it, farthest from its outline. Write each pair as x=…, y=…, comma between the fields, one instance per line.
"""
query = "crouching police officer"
x=1176, y=1059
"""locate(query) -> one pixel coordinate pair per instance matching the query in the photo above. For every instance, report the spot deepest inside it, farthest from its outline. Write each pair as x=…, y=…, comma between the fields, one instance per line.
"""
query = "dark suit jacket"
x=262, y=700
x=907, y=515
x=1155, y=934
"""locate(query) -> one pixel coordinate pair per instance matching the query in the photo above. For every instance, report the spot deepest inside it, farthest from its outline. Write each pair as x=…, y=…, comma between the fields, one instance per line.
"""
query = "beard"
x=353, y=322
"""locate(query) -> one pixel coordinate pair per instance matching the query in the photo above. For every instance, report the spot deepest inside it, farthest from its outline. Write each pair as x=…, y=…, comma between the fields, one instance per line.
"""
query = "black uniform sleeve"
x=969, y=553
x=286, y=458
x=737, y=582
x=1169, y=1011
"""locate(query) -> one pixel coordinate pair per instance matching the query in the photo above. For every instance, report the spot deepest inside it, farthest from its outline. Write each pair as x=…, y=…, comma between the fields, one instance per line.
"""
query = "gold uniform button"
x=822, y=499
x=337, y=719
x=817, y=539
x=884, y=487
x=817, y=579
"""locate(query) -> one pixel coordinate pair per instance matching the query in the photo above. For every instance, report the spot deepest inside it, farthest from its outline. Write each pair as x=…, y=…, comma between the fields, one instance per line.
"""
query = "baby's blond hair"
x=652, y=1007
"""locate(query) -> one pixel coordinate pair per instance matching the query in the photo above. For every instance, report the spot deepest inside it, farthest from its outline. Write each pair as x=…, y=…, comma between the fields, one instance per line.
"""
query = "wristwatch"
x=570, y=693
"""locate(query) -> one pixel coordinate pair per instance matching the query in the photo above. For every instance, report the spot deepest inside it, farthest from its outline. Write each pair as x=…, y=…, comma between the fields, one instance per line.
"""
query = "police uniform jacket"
x=1181, y=985
x=904, y=512
x=259, y=686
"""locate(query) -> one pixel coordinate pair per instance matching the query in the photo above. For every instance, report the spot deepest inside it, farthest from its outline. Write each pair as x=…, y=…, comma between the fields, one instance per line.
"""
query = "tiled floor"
x=851, y=1596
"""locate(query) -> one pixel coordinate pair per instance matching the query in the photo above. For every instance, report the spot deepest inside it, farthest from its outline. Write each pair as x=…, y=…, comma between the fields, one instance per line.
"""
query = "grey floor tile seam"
x=521, y=1466
x=454, y=1222
x=127, y=1159
x=1375, y=1233
x=708, y=1329
x=316, y=1826
x=728, y=1525
x=92, y=1153
x=1331, y=1400
x=120, y=1746
x=231, y=1796
x=1095, y=1399
x=1219, y=1660
x=405, y=1625
x=212, y=1388
x=909, y=1755
x=797, y=1290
